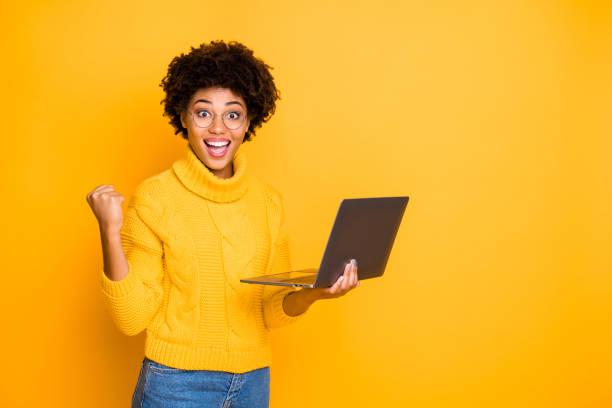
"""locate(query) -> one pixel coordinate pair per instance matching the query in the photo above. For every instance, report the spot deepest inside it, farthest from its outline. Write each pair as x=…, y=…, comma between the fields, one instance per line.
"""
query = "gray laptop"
x=364, y=229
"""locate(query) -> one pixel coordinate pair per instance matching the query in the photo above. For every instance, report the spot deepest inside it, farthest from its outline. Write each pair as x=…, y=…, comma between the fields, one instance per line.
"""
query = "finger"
x=341, y=285
x=345, y=284
x=102, y=190
x=95, y=190
x=348, y=273
x=348, y=284
x=106, y=191
x=333, y=289
x=353, y=275
x=337, y=287
x=101, y=187
x=343, y=278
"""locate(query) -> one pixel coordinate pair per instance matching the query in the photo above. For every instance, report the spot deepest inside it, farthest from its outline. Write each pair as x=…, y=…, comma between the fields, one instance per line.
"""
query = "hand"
x=348, y=281
x=105, y=203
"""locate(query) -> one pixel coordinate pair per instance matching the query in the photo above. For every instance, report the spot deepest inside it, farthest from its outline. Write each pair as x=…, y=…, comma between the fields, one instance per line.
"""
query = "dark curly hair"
x=228, y=65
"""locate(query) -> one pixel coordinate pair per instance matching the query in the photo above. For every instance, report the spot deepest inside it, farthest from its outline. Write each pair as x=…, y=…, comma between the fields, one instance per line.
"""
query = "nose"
x=217, y=126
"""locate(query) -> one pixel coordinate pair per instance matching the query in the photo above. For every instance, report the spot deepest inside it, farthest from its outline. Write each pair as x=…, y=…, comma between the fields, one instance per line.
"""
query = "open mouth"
x=217, y=149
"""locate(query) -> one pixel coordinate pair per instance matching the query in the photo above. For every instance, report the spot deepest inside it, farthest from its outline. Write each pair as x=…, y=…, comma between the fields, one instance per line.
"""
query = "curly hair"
x=228, y=65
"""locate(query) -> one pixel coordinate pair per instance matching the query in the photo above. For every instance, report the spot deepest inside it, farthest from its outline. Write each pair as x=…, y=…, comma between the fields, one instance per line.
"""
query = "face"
x=219, y=102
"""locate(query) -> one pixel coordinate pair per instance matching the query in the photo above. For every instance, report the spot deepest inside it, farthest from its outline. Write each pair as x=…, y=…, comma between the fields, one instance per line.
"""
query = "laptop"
x=364, y=229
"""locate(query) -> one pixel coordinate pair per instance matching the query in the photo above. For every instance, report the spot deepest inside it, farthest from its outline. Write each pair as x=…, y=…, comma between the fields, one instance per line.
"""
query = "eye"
x=236, y=115
x=202, y=113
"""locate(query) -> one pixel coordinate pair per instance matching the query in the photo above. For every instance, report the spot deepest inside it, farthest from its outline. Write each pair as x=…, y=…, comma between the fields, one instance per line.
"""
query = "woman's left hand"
x=298, y=302
x=348, y=281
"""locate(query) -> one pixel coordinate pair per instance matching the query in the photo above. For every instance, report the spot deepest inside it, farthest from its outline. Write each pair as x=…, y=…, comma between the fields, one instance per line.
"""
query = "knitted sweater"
x=189, y=237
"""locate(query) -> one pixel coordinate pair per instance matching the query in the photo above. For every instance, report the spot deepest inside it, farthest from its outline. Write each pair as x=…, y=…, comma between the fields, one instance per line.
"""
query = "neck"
x=224, y=185
x=224, y=173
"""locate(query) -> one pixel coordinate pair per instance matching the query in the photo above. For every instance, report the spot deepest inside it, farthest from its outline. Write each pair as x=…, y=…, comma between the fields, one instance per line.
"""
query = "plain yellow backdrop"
x=493, y=116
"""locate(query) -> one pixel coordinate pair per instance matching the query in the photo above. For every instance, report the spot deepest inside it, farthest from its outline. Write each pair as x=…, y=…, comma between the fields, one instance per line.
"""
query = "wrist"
x=110, y=233
x=310, y=295
x=303, y=297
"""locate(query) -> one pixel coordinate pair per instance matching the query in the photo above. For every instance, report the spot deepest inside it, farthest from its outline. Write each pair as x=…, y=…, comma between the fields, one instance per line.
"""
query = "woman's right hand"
x=106, y=203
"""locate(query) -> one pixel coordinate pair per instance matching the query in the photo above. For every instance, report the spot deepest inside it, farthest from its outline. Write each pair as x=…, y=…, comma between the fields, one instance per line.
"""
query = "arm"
x=279, y=301
x=296, y=303
x=115, y=264
x=277, y=312
x=131, y=281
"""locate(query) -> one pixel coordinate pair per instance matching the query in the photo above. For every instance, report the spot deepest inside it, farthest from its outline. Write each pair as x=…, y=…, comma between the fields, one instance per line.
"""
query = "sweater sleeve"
x=274, y=313
x=133, y=300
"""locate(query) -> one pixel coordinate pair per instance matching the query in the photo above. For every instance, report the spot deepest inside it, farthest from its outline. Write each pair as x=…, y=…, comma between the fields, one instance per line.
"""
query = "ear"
x=183, y=121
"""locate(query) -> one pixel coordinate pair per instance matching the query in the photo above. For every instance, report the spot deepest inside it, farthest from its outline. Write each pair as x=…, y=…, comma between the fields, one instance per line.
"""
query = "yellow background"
x=493, y=116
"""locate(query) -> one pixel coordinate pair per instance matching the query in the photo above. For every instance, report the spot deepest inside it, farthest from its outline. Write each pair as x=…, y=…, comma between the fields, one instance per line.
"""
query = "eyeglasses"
x=231, y=119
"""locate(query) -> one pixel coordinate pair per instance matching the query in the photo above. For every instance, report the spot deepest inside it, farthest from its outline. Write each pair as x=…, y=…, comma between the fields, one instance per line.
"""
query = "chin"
x=218, y=163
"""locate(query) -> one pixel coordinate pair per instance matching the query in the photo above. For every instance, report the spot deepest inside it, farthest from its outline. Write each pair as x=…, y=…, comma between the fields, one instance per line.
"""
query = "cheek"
x=195, y=133
x=239, y=136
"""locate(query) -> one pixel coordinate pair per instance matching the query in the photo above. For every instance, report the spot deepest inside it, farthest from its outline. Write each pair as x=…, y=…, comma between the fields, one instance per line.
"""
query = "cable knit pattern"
x=189, y=237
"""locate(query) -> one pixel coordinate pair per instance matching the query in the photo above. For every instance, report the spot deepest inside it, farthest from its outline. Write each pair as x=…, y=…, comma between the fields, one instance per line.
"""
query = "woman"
x=191, y=232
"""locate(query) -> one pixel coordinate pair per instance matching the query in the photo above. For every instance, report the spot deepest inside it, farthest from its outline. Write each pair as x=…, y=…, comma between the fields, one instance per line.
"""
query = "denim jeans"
x=161, y=386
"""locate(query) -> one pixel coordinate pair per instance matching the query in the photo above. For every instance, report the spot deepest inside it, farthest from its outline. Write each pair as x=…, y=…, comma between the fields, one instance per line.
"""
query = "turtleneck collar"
x=194, y=174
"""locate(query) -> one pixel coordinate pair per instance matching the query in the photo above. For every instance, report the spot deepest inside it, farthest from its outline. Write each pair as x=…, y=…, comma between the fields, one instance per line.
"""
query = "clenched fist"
x=106, y=203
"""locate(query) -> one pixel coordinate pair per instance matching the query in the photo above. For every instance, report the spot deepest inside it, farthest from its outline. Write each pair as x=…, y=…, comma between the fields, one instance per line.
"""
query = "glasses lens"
x=202, y=118
x=233, y=120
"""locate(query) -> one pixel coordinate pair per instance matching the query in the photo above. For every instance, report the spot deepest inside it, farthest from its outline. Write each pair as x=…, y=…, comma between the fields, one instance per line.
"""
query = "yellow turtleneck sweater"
x=189, y=237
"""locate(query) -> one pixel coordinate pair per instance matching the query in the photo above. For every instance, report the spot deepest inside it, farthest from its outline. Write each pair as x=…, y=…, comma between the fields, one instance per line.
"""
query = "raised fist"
x=106, y=203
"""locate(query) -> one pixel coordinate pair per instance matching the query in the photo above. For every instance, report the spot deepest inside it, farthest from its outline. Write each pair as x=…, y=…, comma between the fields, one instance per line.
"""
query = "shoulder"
x=151, y=187
x=151, y=194
x=158, y=184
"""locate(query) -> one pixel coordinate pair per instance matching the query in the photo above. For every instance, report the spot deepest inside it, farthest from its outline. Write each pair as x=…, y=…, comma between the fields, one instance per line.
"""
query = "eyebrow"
x=227, y=103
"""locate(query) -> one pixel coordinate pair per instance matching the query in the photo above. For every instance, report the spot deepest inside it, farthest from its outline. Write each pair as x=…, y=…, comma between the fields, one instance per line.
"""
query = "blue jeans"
x=167, y=387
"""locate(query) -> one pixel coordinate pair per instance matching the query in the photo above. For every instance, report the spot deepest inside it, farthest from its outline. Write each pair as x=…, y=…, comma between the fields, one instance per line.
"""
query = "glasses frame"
x=214, y=117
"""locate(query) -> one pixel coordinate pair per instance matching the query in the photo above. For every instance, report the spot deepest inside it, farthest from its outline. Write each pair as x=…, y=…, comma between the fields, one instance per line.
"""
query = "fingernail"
x=354, y=262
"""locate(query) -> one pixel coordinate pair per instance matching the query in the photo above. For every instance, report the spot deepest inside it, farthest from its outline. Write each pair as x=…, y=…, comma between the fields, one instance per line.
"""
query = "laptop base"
x=302, y=278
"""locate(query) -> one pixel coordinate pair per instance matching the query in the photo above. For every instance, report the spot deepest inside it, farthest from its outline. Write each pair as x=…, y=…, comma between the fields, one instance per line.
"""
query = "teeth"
x=217, y=144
